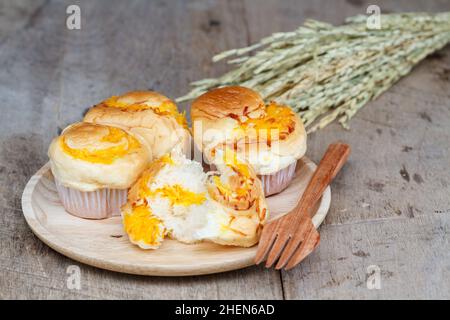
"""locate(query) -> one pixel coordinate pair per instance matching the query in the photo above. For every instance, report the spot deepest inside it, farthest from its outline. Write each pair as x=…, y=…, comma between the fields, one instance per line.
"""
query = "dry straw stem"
x=325, y=72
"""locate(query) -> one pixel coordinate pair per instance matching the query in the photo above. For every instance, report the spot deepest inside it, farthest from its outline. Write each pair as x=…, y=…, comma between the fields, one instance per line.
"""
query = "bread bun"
x=269, y=137
x=238, y=191
x=148, y=114
x=88, y=157
x=232, y=101
x=191, y=208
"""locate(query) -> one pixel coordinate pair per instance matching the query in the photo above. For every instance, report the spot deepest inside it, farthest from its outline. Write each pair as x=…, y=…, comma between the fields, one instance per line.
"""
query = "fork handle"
x=333, y=160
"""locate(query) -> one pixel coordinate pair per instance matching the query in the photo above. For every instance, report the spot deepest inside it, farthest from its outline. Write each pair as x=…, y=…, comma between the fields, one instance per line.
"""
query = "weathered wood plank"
x=399, y=164
x=395, y=184
x=50, y=75
x=49, y=82
x=401, y=133
x=17, y=15
x=411, y=254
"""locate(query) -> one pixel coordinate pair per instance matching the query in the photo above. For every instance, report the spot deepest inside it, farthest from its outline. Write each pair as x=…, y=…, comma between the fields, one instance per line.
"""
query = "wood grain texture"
x=52, y=75
x=18, y=15
x=394, y=187
x=411, y=254
x=289, y=239
x=104, y=244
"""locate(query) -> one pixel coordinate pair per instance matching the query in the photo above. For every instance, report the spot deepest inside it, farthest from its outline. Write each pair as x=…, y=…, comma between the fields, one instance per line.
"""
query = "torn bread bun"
x=94, y=165
x=177, y=192
x=237, y=189
x=271, y=138
x=148, y=114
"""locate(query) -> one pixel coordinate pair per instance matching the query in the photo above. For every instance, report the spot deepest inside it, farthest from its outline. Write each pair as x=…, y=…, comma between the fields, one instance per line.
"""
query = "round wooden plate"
x=104, y=244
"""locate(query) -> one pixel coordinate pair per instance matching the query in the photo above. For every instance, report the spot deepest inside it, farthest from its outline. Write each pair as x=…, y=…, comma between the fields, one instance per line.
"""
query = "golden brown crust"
x=232, y=101
x=89, y=156
x=220, y=118
x=151, y=98
x=148, y=114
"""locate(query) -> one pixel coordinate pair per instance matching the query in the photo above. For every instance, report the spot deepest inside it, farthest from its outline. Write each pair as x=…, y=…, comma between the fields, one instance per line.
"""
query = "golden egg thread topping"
x=231, y=160
x=113, y=102
x=178, y=195
x=166, y=108
x=142, y=225
x=122, y=144
x=144, y=190
x=276, y=118
x=224, y=189
x=238, y=191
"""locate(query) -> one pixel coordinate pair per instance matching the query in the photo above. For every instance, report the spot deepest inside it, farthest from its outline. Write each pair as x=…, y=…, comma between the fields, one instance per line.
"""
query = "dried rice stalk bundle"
x=325, y=72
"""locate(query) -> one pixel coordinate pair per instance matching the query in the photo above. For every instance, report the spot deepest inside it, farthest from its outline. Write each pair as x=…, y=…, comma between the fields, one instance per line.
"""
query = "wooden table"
x=390, y=205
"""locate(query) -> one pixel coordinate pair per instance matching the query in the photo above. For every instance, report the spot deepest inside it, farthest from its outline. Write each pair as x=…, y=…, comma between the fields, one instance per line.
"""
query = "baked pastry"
x=175, y=198
x=237, y=189
x=270, y=137
x=148, y=114
x=94, y=165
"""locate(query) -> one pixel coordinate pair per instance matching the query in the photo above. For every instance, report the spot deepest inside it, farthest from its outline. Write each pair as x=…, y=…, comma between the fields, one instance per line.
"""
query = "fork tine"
x=280, y=243
x=266, y=241
x=278, y=237
x=307, y=246
x=293, y=244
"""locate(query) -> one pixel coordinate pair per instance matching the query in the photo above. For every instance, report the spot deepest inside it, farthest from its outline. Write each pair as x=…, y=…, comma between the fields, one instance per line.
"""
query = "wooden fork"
x=292, y=237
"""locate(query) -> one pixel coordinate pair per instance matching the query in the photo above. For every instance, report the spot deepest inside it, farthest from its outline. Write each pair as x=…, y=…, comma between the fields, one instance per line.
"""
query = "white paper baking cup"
x=278, y=181
x=99, y=204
